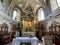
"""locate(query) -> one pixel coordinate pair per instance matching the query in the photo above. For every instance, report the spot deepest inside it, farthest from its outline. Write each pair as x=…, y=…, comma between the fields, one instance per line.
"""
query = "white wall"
x=53, y=4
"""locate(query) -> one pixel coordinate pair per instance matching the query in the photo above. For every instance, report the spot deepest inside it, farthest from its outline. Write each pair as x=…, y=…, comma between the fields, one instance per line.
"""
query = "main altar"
x=28, y=20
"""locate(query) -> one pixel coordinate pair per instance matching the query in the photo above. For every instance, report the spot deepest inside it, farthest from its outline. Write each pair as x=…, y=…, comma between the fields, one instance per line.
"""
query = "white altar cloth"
x=18, y=40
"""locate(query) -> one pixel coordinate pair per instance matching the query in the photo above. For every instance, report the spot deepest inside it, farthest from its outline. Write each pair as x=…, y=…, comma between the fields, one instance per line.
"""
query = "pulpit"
x=25, y=41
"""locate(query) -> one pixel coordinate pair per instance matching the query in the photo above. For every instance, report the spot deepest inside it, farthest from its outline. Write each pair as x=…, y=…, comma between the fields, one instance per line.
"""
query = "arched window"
x=14, y=14
x=40, y=14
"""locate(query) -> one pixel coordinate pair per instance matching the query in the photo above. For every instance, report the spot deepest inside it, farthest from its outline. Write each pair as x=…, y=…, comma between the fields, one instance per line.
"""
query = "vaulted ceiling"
x=35, y=4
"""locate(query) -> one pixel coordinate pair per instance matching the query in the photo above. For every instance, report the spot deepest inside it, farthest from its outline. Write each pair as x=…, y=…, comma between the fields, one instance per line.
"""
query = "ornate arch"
x=19, y=9
x=40, y=12
x=38, y=9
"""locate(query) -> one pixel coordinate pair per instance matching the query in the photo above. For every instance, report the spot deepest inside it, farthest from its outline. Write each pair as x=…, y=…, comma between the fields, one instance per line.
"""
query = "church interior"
x=29, y=22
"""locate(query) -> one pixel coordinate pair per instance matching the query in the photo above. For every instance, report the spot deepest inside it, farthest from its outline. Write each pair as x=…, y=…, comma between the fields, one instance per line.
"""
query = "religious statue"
x=19, y=28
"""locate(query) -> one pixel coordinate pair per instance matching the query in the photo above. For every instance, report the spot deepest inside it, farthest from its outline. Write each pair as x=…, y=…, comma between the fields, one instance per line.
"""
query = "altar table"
x=25, y=41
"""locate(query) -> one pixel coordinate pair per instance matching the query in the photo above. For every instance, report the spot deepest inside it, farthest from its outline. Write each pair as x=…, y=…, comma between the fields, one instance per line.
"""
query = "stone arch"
x=42, y=10
x=38, y=9
x=20, y=9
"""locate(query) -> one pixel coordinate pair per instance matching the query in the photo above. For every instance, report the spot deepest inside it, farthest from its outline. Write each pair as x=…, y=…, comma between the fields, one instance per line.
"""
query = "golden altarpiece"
x=28, y=20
